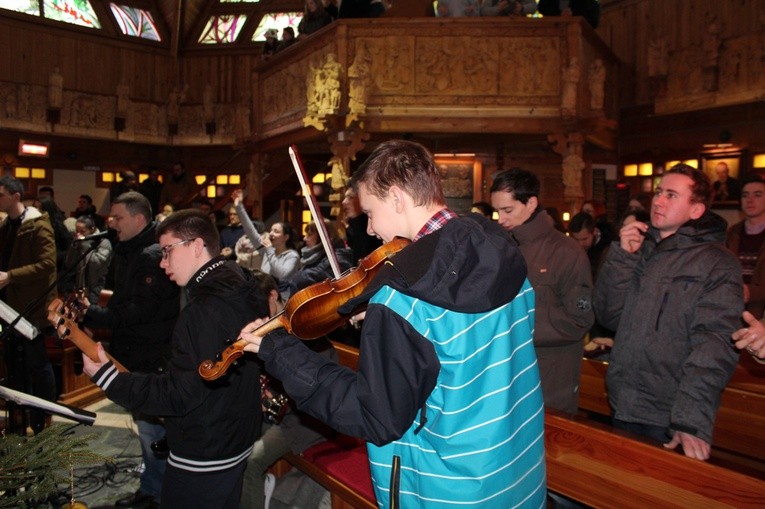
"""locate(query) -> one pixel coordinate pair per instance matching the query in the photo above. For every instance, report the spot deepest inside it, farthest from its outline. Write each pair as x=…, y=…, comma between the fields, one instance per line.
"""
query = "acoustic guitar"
x=63, y=316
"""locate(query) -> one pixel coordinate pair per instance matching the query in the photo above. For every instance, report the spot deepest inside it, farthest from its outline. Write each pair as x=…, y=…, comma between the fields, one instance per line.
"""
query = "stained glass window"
x=277, y=20
x=77, y=12
x=135, y=22
x=25, y=6
x=222, y=29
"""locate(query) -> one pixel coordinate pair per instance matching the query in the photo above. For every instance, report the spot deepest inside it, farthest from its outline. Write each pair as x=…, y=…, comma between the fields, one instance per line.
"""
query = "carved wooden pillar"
x=345, y=143
x=571, y=148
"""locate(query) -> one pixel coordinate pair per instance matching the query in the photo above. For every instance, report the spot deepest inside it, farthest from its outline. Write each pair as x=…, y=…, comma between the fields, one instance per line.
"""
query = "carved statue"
x=658, y=64
x=123, y=99
x=358, y=85
x=573, y=164
x=658, y=56
x=712, y=42
x=330, y=93
x=208, y=107
x=55, y=89
x=323, y=91
x=242, y=120
x=596, y=80
x=571, y=74
x=174, y=100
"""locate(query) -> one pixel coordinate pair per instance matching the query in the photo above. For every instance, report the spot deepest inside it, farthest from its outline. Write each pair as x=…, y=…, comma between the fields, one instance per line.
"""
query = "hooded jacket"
x=31, y=266
x=211, y=426
x=142, y=310
x=674, y=305
x=448, y=388
x=560, y=273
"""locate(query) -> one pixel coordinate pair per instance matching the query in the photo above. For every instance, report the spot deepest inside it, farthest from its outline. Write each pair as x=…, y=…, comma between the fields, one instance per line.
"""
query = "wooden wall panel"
x=89, y=63
x=629, y=26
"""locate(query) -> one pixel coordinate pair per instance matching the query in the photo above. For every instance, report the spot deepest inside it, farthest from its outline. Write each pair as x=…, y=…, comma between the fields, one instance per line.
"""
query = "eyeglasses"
x=166, y=250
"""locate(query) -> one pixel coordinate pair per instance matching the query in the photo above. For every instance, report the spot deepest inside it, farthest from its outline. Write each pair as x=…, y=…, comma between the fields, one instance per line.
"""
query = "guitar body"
x=63, y=317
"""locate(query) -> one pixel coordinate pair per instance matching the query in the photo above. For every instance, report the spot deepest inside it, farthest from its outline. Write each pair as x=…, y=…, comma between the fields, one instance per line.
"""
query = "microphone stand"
x=6, y=336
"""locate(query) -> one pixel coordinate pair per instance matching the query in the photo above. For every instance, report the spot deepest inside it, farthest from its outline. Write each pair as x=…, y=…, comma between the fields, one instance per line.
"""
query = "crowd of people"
x=671, y=295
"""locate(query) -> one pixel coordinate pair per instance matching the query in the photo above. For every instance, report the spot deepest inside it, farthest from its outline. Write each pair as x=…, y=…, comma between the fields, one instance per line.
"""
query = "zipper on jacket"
x=661, y=309
x=395, y=481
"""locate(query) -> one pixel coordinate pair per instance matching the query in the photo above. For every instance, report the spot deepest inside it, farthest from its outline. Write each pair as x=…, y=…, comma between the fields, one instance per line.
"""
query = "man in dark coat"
x=141, y=314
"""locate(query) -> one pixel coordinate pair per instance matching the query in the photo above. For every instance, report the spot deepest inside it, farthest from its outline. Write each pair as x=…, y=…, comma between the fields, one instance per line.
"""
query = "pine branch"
x=32, y=468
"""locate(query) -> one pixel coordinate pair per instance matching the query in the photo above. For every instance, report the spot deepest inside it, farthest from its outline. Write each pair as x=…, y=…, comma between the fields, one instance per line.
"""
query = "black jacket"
x=144, y=305
x=210, y=425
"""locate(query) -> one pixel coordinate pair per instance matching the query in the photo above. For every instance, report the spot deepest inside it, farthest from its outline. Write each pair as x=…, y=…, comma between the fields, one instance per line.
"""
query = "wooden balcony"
x=474, y=76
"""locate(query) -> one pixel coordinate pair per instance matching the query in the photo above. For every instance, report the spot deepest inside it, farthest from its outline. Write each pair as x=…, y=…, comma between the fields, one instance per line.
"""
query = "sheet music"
x=22, y=398
x=26, y=329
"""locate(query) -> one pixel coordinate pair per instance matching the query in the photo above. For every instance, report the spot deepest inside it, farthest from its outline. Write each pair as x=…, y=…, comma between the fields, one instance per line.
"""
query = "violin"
x=311, y=312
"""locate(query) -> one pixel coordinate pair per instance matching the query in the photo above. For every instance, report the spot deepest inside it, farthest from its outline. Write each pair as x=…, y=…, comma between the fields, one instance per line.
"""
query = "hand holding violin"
x=249, y=335
x=310, y=313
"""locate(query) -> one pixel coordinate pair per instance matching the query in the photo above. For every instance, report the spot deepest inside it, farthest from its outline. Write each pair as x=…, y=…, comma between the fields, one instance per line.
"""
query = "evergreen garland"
x=33, y=468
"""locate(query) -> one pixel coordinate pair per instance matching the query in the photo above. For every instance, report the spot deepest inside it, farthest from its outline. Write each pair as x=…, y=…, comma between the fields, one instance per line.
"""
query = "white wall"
x=70, y=184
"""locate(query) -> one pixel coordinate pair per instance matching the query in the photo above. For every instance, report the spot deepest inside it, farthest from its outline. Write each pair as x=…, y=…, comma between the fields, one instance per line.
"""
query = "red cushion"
x=348, y=465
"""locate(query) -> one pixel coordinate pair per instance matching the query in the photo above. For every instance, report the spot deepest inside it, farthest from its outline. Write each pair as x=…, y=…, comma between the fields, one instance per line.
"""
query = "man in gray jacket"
x=673, y=293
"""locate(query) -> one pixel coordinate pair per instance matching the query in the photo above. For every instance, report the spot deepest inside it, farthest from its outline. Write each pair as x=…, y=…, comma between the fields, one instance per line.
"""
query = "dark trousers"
x=210, y=490
x=658, y=433
x=30, y=371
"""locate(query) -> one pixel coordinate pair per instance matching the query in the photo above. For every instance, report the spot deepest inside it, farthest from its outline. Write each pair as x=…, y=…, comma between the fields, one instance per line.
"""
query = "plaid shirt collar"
x=439, y=219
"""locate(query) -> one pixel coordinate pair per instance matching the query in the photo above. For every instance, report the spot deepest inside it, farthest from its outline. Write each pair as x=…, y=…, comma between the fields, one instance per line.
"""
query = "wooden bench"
x=586, y=461
x=740, y=424
x=601, y=467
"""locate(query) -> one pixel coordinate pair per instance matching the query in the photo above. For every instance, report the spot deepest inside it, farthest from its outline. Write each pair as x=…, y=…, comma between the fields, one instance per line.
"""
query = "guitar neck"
x=89, y=347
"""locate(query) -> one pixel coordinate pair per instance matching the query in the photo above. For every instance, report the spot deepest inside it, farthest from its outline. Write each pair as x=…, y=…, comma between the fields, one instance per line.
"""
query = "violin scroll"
x=211, y=370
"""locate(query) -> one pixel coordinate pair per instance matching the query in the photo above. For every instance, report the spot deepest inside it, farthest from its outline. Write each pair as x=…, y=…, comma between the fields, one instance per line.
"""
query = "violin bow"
x=315, y=212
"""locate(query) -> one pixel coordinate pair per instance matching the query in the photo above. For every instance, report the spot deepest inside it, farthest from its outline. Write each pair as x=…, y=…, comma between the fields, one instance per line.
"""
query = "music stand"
x=70, y=412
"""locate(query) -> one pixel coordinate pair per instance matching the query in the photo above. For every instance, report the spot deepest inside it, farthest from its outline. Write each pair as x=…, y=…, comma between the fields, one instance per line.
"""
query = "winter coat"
x=31, y=266
x=559, y=271
x=143, y=307
x=447, y=379
x=211, y=426
x=674, y=305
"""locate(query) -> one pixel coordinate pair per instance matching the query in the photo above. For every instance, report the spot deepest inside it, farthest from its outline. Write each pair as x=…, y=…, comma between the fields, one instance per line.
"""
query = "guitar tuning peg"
x=237, y=363
x=218, y=357
x=229, y=341
x=60, y=322
x=65, y=332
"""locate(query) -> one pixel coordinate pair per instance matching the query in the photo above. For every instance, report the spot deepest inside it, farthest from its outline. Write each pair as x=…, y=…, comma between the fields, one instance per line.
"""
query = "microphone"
x=106, y=234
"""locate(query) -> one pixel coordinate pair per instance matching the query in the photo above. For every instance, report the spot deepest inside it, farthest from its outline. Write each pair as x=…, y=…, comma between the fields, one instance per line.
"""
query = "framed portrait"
x=725, y=173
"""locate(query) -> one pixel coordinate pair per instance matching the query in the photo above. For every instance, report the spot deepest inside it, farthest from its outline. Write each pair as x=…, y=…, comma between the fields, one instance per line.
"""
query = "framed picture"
x=725, y=172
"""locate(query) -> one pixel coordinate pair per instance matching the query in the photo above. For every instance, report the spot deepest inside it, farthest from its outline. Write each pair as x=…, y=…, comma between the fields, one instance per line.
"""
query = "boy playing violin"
x=447, y=393
x=211, y=428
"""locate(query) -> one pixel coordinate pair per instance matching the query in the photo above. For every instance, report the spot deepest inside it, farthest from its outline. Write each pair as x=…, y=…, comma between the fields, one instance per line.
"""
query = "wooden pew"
x=586, y=461
x=600, y=467
x=740, y=423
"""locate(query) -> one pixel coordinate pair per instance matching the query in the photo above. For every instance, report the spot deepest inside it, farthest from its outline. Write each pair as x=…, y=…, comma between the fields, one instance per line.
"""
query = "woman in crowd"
x=315, y=265
x=280, y=257
x=314, y=18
